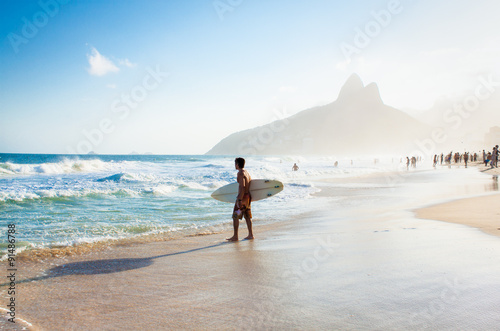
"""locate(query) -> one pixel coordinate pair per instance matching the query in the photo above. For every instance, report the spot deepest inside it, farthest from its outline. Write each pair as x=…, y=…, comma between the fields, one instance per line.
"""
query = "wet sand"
x=489, y=170
x=362, y=262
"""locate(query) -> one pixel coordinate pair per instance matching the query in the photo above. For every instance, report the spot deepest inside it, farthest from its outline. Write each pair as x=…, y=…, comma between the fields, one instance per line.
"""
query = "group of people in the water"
x=489, y=158
x=412, y=162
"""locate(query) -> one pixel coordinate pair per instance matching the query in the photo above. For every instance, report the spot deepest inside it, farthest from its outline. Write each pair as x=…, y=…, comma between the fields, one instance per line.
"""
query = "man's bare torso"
x=243, y=179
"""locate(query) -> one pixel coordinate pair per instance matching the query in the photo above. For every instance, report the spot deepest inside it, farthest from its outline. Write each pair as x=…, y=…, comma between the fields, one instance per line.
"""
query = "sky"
x=176, y=77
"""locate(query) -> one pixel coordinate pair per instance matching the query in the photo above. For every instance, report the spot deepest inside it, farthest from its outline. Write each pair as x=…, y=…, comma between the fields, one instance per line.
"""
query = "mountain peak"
x=352, y=86
x=371, y=92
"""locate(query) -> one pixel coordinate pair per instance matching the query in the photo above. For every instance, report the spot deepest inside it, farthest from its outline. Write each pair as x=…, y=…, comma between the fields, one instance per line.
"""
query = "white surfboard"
x=259, y=189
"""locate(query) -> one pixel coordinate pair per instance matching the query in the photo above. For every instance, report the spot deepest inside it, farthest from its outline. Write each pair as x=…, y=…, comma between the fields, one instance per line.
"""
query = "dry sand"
x=479, y=212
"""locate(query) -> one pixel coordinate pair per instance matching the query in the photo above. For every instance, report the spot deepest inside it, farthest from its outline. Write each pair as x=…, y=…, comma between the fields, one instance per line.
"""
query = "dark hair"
x=240, y=162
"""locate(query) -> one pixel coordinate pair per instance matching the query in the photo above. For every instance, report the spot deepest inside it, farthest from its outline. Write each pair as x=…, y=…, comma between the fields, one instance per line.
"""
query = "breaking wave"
x=62, y=167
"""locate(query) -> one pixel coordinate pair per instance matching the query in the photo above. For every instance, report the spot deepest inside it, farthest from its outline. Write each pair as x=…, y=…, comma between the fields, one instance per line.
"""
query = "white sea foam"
x=19, y=196
x=62, y=167
x=129, y=177
x=161, y=190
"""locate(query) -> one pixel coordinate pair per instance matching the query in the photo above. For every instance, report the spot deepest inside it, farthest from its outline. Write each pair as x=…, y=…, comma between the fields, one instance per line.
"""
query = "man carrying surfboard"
x=243, y=200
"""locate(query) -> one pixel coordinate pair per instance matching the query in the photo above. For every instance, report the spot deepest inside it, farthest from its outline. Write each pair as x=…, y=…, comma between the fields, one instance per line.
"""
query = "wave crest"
x=62, y=167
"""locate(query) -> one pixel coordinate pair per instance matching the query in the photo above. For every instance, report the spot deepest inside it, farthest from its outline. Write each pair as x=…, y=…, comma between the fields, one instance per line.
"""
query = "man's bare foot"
x=249, y=237
x=233, y=238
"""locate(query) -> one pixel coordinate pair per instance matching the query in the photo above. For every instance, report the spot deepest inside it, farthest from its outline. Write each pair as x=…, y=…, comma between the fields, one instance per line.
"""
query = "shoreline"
x=33, y=254
x=350, y=269
x=84, y=248
x=442, y=211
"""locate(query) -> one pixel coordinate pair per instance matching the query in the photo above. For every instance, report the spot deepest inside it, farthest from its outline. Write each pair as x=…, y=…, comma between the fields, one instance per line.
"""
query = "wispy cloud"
x=126, y=63
x=99, y=64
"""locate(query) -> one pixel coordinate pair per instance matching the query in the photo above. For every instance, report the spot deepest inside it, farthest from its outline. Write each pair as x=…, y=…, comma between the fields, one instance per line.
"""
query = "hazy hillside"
x=357, y=122
x=465, y=123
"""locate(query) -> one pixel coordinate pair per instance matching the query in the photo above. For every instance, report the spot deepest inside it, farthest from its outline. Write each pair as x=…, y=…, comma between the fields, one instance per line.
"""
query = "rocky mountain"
x=358, y=122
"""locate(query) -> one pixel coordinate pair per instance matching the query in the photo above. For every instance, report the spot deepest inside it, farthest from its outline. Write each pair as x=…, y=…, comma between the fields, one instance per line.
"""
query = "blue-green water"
x=65, y=200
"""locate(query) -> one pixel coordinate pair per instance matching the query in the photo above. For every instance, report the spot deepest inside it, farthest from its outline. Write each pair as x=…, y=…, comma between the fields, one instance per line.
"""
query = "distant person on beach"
x=466, y=159
x=243, y=200
x=487, y=159
x=448, y=159
x=494, y=157
x=295, y=167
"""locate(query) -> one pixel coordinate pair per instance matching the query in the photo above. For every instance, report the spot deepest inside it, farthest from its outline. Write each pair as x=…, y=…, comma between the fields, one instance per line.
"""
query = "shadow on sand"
x=105, y=266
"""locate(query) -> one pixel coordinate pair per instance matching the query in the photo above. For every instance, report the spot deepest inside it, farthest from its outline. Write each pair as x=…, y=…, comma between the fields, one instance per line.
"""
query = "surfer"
x=295, y=167
x=243, y=200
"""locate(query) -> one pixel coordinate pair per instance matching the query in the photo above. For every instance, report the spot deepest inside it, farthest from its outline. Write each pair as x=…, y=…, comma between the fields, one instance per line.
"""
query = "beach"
x=374, y=254
x=479, y=212
x=347, y=135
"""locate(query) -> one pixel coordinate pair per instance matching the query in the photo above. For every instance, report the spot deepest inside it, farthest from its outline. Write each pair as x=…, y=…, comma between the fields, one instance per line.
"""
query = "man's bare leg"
x=236, y=224
x=249, y=226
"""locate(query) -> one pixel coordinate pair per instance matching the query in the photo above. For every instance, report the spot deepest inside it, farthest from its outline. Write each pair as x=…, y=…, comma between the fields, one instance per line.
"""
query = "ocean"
x=65, y=200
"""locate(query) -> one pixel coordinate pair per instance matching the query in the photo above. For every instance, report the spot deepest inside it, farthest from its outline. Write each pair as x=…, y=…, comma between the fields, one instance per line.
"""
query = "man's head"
x=239, y=162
